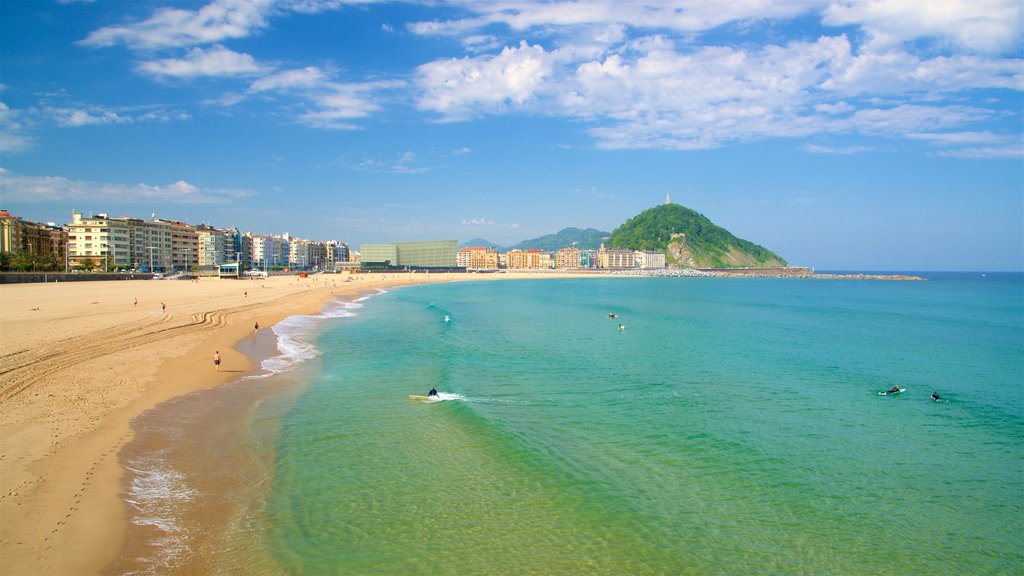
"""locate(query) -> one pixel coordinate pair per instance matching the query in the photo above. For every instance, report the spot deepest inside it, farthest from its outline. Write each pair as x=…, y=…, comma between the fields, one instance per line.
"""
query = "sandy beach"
x=80, y=360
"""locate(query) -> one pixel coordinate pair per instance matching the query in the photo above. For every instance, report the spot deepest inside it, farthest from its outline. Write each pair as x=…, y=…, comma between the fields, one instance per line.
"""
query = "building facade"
x=213, y=244
x=100, y=240
x=18, y=235
x=428, y=254
x=478, y=258
x=616, y=258
x=567, y=258
x=649, y=259
x=527, y=260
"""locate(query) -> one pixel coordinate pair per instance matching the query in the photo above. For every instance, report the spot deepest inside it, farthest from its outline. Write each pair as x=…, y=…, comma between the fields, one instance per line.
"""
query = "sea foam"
x=295, y=335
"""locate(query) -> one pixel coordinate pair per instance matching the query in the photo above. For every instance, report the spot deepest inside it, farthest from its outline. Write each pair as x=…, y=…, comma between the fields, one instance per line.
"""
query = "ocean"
x=731, y=426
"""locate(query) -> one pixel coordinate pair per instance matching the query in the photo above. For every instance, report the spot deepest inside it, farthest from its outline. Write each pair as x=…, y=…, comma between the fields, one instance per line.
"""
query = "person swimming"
x=433, y=392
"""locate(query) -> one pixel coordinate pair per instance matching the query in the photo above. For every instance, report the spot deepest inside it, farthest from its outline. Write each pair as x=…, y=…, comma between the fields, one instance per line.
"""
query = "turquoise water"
x=733, y=426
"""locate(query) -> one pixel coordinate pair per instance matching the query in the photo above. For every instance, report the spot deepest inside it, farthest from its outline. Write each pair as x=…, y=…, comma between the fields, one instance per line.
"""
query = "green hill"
x=584, y=239
x=689, y=240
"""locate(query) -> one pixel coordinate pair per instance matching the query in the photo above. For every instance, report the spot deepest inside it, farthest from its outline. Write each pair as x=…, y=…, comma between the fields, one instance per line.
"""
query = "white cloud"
x=173, y=27
x=987, y=26
x=486, y=222
x=309, y=77
x=218, y=61
x=12, y=136
x=844, y=150
x=458, y=88
x=74, y=118
x=98, y=116
x=21, y=188
x=334, y=104
x=680, y=15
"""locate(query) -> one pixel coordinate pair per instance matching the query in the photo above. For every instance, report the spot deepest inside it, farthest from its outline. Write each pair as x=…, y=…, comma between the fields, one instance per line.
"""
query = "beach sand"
x=80, y=360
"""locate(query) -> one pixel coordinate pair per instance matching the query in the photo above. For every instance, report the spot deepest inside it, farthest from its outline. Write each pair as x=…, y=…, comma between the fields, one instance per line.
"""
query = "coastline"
x=81, y=361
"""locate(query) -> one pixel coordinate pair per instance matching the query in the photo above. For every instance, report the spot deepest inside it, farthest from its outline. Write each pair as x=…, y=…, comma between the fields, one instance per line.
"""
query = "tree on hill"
x=583, y=238
x=689, y=239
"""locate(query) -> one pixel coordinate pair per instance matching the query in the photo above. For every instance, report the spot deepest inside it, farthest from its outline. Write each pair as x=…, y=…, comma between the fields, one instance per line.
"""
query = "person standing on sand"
x=216, y=360
x=136, y=302
x=255, y=328
x=163, y=307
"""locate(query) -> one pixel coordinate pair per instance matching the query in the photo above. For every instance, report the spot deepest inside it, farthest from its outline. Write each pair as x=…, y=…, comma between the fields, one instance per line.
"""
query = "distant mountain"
x=689, y=240
x=582, y=238
x=480, y=242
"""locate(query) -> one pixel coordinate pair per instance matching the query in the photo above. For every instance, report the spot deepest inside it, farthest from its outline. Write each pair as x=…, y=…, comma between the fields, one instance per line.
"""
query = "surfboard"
x=417, y=397
x=886, y=393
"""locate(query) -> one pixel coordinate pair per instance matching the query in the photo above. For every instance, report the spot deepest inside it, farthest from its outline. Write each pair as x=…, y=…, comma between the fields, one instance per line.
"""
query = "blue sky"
x=883, y=135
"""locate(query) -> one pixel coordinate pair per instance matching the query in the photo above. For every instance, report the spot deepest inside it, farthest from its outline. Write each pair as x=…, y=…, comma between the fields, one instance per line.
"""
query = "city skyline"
x=841, y=135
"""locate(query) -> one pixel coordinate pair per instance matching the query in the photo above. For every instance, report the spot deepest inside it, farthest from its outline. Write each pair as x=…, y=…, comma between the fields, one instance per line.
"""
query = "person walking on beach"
x=163, y=307
x=255, y=328
x=216, y=360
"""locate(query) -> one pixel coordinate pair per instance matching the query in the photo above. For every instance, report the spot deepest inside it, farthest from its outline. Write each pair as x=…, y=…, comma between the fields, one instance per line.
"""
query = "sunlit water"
x=731, y=426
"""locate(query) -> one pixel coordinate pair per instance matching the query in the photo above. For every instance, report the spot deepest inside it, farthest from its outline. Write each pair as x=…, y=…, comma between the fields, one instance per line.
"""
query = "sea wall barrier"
x=32, y=277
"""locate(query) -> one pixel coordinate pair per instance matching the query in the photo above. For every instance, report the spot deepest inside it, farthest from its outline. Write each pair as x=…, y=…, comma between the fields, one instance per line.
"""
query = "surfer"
x=895, y=389
x=612, y=315
x=621, y=327
x=936, y=397
x=433, y=392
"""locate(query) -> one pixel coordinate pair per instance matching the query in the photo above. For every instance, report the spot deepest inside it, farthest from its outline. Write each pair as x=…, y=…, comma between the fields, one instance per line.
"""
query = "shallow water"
x=733, y=426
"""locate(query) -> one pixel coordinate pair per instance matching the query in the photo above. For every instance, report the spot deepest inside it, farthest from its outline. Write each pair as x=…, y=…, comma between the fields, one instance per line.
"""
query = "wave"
x=157, y=492
x=296, y=333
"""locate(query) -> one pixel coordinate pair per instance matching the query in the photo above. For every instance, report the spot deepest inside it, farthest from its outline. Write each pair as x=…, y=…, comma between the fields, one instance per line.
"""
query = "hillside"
x=689, y=240
x=478, y=242
x=584, y=238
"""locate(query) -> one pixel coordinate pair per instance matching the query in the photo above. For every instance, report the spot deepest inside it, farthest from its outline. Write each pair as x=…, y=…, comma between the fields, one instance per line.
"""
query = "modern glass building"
x=430, y=254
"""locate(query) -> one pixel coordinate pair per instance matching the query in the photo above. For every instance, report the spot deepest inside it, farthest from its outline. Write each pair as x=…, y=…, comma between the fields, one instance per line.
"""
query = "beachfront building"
x=649, y=259
x=99, y=241
x=336, y=255
x=212, y=246
x=588, y=258
x=616, y=258
x=527, y=260
x=268, y=251
x=567, y=258
x=36, y=238
x=428, y=254
x=478, y=258
x=300, y=253
x=184, y=245
x=237, y=246
x=150, y=244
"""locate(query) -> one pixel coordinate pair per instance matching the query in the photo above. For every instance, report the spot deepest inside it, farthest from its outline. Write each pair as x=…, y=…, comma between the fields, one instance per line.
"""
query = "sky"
x=875, y=135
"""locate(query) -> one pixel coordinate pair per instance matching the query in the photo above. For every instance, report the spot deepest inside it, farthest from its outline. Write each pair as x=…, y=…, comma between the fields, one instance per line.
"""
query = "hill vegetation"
x=582, y=238
x=690, y=240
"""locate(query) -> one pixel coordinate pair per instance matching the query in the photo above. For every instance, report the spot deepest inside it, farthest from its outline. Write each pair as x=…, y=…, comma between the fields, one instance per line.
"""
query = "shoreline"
x=81, y=360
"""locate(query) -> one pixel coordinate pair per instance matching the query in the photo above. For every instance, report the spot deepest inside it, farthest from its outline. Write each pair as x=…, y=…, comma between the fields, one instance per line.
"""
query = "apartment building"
x=478, y=258
x=567, y=258
x=527, y=260
x=18, y=235
x=649, y=259
x=213, y=246
x=99, y=239
x=616, y=258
